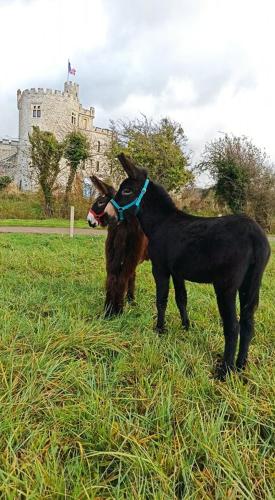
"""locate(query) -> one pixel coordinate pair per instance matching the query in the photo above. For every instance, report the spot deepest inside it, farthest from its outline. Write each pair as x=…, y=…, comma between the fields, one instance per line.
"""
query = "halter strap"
x=135, y=203
x=96, y=216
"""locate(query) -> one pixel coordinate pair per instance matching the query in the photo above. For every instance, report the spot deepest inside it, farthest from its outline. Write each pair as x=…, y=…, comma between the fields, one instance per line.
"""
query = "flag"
x=71, y=71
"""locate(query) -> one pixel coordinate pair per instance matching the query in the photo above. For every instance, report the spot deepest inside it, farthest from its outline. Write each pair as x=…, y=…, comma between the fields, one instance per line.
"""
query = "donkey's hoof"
x=161, y=330
x=220, y=374
x=222, y=370
x=108, y=315
x=240, y=365
x=131, y=301
x=111, y=313
x=186, y=325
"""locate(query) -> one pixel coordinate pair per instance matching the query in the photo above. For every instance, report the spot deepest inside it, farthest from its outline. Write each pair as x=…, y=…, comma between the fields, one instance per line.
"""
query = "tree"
x=46, y=153
x=244, y=179
x=160, y=147
x=5, y=180
x=77, y=149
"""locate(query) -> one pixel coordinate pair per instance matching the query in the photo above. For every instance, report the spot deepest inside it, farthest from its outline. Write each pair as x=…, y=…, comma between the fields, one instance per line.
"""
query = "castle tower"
x=57, y=112
x=52, y=110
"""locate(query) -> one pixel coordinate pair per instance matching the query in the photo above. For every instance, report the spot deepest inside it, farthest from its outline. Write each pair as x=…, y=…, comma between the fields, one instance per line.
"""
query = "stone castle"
x=60, y=113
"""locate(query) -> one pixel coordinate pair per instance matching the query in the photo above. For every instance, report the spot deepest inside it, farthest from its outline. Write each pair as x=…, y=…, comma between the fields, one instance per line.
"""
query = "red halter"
x=96, y=216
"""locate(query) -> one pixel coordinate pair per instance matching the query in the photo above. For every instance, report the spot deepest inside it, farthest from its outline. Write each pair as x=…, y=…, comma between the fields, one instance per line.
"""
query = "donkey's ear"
x=130, y=168
x=102, y=187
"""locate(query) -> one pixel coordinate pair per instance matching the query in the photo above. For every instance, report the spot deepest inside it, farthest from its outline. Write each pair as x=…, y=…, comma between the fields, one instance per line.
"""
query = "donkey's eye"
x=101, y=203
x=126, y=191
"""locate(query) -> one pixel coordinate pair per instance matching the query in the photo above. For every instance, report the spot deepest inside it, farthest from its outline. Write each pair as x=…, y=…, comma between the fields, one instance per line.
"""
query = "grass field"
x=53, y=222
x=106, y=409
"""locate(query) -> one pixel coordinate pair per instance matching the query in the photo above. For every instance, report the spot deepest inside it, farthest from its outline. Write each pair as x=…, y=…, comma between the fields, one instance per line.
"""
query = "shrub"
x=5, y=180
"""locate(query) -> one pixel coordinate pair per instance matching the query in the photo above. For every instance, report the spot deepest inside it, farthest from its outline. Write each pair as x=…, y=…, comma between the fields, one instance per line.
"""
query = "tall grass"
x=107, y=409
x=20, y=206
x=24, y=205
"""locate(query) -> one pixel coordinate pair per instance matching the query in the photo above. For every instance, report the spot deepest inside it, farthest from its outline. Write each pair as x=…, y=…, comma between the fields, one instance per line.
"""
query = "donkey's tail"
x=249, y=290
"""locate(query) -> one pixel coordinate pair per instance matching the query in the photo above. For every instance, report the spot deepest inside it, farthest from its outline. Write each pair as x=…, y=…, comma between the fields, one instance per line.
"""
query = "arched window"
x=73, y=119
x=98, y=146
x=97, y=166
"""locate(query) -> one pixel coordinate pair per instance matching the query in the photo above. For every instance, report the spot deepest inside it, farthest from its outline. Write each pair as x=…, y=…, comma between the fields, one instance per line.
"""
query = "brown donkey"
x=125, y=247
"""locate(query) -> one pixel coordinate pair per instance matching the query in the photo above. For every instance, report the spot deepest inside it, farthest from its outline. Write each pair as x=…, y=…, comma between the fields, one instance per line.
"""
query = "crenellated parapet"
x=87, y=112
x=71, y=91
x=104, y=131
x=9, y=142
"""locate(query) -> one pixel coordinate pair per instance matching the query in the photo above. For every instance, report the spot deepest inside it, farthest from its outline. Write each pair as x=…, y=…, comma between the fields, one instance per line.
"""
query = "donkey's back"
x=210, y=249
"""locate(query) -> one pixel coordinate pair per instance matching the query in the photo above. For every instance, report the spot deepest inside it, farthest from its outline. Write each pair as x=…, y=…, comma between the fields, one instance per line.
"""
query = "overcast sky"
x=206, y=63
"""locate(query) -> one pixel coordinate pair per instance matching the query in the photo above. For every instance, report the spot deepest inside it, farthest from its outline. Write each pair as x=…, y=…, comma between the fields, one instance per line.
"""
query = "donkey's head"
x=96, y=215
x=128, y=199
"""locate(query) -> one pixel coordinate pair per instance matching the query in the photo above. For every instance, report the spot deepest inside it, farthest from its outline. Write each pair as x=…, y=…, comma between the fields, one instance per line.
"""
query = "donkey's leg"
x=131, y=288
x=162, y=288
x=227, y=307
x=109, y=306
x=249, y=299
x=246, y=334
x=115, y=293
x=181, y=300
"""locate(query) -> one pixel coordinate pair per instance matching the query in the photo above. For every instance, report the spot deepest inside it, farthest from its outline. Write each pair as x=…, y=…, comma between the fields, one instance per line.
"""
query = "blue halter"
x=135, y=203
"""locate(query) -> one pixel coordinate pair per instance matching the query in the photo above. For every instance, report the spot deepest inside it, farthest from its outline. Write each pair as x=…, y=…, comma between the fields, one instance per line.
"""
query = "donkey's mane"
x=162, y=198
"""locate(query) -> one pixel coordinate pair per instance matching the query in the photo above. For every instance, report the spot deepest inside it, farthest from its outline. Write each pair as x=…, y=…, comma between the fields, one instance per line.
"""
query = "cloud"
x=207, y=64
x=147, y=45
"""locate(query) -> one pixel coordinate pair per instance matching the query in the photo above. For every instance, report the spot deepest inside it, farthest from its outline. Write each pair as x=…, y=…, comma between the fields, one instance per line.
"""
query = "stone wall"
x=8, y=157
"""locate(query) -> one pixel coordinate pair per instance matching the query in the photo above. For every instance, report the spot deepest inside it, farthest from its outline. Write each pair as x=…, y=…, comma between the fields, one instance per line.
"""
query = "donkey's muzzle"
x=92, y=224
x=92, y=220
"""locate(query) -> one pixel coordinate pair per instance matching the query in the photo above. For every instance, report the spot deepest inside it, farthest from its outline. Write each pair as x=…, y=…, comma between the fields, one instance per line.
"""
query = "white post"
x=72, y=222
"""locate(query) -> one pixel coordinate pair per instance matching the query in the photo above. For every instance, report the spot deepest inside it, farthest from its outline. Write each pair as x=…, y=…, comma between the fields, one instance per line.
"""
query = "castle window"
x=97, y=166
x=36, y=111
x=73, y=118
x=98, y=146
x=85, y=123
